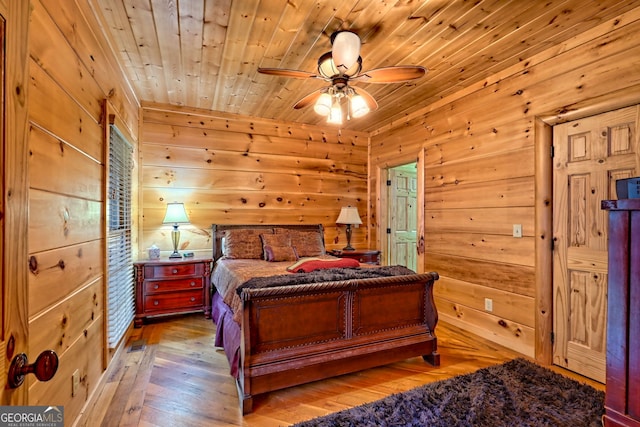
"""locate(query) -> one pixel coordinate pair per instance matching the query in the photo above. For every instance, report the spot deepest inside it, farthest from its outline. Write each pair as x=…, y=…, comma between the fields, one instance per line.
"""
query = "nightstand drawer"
x=366, y=256
x=166, y=271
x=170, y=301
x=156, y=286
x=367, y=259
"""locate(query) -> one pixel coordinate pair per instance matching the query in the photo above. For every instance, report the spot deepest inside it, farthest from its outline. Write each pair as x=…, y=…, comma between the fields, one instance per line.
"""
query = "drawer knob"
x=156, y=302
x=193, y=299
x=175, y=271
x=193, y=284
x=156, y=286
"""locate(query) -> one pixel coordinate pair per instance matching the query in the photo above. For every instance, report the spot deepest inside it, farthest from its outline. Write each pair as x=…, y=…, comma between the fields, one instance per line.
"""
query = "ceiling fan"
x=339, y=67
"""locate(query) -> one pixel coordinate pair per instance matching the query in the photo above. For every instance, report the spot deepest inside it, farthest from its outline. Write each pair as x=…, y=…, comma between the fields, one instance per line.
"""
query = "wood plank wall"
x=71, y=72
x=480, y=177
x=231, y=169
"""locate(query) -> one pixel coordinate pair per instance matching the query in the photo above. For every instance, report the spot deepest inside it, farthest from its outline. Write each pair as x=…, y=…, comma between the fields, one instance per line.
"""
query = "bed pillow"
x=277, y=247
x=305, y=265
x=306, y=243
x=243, y=243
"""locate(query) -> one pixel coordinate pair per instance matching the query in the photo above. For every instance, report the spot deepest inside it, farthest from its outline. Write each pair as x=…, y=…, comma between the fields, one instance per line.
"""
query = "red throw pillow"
x=310, y=264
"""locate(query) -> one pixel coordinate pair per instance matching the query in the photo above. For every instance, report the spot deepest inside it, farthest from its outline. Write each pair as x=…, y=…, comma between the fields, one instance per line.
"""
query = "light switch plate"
x=517, y=230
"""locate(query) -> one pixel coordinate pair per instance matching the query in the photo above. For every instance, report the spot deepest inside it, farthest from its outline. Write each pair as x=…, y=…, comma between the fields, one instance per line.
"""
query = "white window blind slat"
x=120, y=287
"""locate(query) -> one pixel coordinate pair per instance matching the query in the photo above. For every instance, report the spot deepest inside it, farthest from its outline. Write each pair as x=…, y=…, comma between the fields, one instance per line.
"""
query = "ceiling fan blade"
x=397, y=74
x=283, y=72
x=309, y=99
x=369, y=99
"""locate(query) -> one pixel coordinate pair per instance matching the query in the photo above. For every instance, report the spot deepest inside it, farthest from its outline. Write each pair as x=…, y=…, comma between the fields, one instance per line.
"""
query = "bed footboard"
x=297, y=334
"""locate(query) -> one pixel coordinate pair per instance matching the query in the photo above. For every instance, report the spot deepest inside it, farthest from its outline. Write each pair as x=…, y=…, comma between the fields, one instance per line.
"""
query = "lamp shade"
x=175, y=214
x=349, y=215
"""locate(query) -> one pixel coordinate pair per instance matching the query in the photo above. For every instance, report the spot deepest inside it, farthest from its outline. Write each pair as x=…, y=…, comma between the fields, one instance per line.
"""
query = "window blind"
x=120, y=286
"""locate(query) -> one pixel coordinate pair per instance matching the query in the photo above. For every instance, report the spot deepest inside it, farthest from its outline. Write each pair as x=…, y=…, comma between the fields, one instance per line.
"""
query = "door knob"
x=44, y=368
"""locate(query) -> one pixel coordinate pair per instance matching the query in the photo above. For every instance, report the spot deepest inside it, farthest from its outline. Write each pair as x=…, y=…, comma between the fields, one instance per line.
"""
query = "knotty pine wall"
x=71, y=73
x=480, y=174
x=231, y=169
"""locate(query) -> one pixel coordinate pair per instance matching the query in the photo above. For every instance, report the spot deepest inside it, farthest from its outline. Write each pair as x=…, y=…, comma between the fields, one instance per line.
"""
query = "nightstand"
x=172, y=286
x=366, y=256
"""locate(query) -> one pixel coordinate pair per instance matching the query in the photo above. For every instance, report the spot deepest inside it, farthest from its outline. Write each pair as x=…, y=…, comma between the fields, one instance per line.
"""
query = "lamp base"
x=348, y=247
x=175, y=237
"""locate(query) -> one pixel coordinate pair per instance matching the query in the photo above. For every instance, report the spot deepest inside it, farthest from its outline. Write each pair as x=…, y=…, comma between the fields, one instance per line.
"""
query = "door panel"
x=402, y=216
x=590, y=154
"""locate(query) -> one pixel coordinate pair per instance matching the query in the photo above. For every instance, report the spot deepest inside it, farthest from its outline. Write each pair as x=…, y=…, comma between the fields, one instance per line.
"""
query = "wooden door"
x=402, y=184
x=589, y=156
x=14, y=332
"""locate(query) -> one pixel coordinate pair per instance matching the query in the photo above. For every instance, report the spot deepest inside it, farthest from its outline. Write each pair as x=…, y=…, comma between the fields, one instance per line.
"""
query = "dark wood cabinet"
x=172, y=286
x=622, y=396
x=367, y=256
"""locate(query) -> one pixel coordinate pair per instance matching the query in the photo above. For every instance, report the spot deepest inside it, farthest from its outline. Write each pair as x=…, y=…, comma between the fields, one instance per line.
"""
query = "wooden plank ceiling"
x=205, y=53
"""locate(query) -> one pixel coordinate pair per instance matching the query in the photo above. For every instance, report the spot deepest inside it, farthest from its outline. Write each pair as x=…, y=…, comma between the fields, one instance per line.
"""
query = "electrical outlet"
x=517, y=230
x=75, y=382
x=488, y=304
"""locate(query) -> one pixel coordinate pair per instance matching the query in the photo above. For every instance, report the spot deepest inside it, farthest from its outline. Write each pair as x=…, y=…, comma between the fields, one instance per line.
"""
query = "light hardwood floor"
x=170, y=374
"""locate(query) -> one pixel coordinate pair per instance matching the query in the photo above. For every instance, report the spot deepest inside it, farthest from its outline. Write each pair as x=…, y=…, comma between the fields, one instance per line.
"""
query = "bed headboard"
x=218, y=232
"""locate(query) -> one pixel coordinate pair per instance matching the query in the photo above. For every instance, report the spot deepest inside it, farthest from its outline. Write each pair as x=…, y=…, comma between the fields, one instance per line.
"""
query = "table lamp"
x=349, y=216
x=175, y=215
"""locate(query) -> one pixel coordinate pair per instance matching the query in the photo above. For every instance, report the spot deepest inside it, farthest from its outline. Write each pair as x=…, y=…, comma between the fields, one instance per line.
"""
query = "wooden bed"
x=294, y=334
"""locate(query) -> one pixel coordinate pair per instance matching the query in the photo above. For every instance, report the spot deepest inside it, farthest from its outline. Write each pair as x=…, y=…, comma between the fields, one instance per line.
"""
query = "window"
x=120, y=287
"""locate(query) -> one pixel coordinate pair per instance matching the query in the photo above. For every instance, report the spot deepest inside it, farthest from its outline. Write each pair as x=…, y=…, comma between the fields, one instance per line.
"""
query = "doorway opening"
x=402, y=216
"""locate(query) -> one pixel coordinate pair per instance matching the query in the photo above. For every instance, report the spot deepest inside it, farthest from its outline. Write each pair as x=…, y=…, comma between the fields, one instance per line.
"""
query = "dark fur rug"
x=517, y=393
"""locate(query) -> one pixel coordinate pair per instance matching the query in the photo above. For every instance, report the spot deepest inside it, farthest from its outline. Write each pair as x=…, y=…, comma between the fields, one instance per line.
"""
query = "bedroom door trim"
x=543, y=223
x=382, y=203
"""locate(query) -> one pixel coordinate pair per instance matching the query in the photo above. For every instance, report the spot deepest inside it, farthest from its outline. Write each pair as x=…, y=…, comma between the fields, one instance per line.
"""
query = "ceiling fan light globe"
x=335, y=115
x=345, y=50
x=354, y=70
x=326, y=66
x=359, y=106
x=323, y=105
